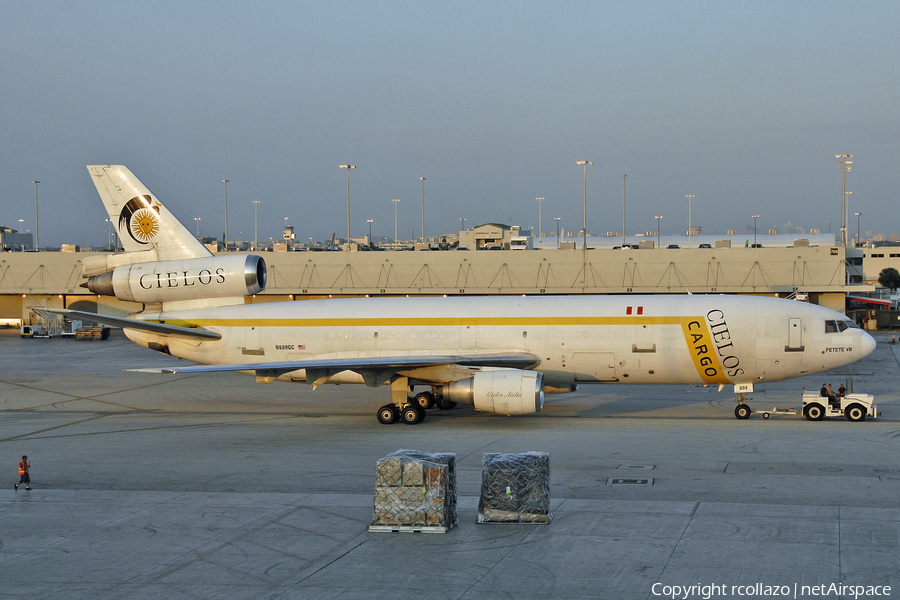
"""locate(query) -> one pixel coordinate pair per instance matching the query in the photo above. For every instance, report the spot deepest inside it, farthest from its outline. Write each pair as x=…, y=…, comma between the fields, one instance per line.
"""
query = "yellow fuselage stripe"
x=695, y=329
x=434, y=322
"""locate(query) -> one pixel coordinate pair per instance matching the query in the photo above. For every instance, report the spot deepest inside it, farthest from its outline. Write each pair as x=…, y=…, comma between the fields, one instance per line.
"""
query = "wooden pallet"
x=411, y=528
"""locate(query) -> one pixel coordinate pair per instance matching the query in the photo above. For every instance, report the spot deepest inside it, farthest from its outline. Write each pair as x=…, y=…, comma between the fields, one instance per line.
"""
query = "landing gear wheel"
x=425, y=400
x=388, y=414
x=855, y=412
x=412, y=414
x=444, y=404
x=814, y=412
x=742, y=411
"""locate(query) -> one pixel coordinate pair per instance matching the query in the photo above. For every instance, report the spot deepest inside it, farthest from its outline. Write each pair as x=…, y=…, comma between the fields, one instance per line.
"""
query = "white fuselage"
x=625, y=339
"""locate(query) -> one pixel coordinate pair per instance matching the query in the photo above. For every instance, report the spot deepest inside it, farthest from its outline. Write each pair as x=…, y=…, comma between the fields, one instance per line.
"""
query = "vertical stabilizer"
x=140, y=219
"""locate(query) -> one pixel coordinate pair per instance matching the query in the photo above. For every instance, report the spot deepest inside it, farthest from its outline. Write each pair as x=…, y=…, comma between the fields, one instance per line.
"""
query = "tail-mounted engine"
x=506, y=391
x=180, y=280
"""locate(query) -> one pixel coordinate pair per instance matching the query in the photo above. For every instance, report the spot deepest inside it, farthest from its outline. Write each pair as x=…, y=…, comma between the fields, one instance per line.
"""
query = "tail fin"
x=140, y=219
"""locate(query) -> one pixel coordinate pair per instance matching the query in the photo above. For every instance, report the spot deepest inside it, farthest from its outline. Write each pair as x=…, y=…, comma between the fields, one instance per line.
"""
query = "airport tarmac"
x=205, y=486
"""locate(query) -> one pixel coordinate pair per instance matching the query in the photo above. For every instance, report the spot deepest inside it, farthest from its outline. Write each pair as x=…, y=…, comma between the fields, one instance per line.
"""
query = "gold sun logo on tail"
x=144, y=224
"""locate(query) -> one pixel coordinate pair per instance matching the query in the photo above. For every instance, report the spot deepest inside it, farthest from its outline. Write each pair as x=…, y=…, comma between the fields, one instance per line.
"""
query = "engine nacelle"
x=180, y=280
x=504, y=391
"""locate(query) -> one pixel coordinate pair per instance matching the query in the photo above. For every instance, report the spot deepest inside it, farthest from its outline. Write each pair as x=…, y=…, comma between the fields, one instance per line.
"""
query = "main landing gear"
x=412, y=411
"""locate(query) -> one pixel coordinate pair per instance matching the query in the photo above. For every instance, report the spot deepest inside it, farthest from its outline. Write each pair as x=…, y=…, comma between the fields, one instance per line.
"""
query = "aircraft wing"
x=197, y=332
x=375, y=370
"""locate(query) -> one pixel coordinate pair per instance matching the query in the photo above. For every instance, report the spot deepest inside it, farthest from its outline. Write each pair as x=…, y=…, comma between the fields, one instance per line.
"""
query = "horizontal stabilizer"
x=196, y=332
x=386, y=363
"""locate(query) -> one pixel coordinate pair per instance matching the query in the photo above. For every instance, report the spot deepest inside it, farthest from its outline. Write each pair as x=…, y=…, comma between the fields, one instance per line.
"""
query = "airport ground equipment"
x=515, y=488
x=31, y=331
x=71, y=327
x=44, y=324
x=415, y=492
x=854, y=407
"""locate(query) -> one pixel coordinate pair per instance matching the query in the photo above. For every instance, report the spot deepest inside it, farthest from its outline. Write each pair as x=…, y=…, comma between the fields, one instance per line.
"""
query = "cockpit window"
x=852, y=324
x=838, y=326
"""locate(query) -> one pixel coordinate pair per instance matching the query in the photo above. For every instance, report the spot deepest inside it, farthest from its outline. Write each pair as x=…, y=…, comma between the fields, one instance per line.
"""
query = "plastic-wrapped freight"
x=515, y=488
x=415, y=490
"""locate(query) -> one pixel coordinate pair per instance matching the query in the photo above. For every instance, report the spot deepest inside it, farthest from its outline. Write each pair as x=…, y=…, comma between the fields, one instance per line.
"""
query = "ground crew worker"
x=24, y=467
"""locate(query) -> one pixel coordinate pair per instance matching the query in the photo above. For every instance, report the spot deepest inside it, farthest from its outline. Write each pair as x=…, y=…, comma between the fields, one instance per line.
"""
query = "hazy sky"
x=743, y=104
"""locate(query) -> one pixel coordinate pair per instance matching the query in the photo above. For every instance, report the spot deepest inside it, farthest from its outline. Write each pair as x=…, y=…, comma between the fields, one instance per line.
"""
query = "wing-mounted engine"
x=182, y=280
x=503, y=391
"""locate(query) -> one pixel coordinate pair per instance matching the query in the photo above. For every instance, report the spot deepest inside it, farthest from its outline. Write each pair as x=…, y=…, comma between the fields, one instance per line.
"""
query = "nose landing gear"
x=742, y=411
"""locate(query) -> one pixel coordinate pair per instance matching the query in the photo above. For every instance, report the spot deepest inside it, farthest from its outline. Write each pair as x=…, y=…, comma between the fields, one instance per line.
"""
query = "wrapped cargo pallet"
x=515, y=488
x=415, y=491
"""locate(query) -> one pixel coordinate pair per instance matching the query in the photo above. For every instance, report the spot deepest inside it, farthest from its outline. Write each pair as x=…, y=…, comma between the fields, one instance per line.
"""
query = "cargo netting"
x=515, y=488
x=415, y=489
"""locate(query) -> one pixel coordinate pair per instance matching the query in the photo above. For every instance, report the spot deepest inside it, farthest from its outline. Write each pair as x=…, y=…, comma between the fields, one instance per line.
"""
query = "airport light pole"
x=197, y=221
x=844, y=166
x=225, y=237
x=370, y=221
x=847, y=196
x=396, y=202
x=108, y=236
x=623, y=209
x=584, y=163
x=37, y=245
x=540, y=202
x=658, y=217
x=557, y=219
x=857, y=228
x=690, y=198
x=423, y=208
x=256, y=225
x=755, y=217
x=462, y=224
x=348, y=167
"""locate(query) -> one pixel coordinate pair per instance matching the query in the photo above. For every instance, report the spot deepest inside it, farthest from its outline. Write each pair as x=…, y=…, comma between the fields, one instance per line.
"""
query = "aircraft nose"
x=867, y=344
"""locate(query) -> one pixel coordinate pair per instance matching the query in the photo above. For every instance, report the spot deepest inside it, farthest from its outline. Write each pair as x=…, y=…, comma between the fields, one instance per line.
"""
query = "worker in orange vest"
x=24, y=467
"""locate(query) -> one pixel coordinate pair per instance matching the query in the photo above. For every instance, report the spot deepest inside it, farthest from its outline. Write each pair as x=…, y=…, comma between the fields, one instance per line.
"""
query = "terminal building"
x=820, y=273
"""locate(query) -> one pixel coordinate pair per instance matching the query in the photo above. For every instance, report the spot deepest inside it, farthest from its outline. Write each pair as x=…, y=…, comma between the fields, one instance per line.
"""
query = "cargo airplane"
x=500, y=354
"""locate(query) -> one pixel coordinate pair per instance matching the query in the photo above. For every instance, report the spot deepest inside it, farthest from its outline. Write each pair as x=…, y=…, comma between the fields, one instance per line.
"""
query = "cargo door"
x=594, y=366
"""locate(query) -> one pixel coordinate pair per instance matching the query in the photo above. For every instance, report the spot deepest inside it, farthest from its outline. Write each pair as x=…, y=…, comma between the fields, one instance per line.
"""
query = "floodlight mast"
x=348, y=167
x=844, y=166
x=584, y=163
